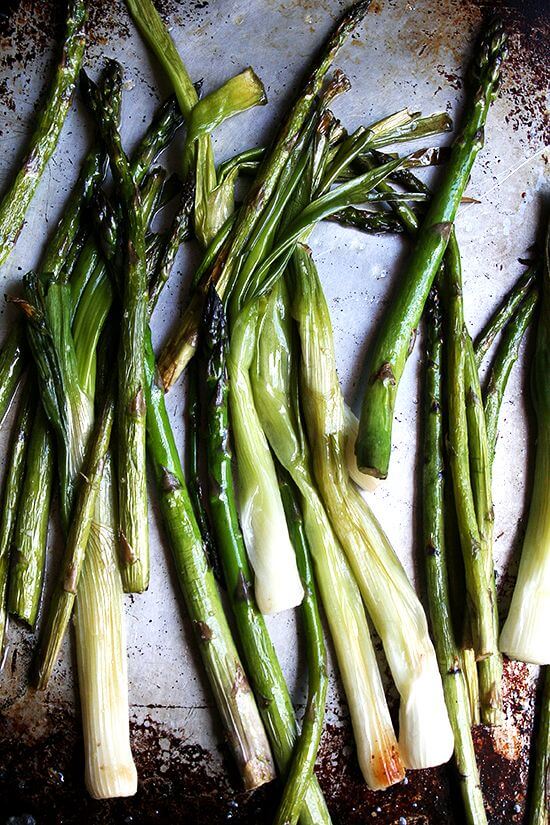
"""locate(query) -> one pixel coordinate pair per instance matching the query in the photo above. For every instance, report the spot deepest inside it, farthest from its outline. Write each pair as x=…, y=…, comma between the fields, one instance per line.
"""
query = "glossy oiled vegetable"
x=274, y=379
x=434, y=550
x=131, y=412
x=425, y=735
x=387, y=357
x=10, y=500
x=470, y=464
x=43, y=141
x=229, y=684
x=263, y=665
x=179, y=349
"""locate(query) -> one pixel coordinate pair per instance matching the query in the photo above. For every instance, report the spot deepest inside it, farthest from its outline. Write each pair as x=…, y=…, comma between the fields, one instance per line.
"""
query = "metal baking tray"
x=406, y=54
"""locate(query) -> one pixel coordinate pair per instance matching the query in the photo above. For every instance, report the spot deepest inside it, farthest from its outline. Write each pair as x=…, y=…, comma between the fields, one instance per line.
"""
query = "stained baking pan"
x=406, y=54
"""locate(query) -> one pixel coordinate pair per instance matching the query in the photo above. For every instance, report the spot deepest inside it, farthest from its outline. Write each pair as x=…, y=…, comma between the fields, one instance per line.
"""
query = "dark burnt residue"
x=41, y=776
x=527, y=70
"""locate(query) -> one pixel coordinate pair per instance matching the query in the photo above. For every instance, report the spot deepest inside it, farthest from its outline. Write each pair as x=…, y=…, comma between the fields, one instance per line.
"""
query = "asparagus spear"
x=265, y=670
x=177, y=234
x=540, y=803
x=434, y=546
x=388, y=356
x=476, y=550
x=197, y=489
x=505, y=358
x=367, y=221
x=234, y=699
x=305, y=753
x=10, y=500
x=131, y=412
x=31, y=530
x=12, y=363
x=504, y=313
x=16, y=200
x=490, y=667
x=525, y=632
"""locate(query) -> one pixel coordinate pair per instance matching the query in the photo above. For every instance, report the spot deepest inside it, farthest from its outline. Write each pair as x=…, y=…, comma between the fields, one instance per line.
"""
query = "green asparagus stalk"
x=43, y=142
x=177, y=234
x=31, y=530
x=525, y=632
x=198, y=492
x=505, y=358
x=490, y=667
x=375, y=222
x=61, y=606
x=12, y=364
x=274, y=384
x=540, y=803
x=425, y=735
x=449, y=655
x=234, y=699
x=504, y=313
x=305, y=753
x=388, y=356
x=10, y=500
x=478, y=565
x=265, y=670
x=131, y=412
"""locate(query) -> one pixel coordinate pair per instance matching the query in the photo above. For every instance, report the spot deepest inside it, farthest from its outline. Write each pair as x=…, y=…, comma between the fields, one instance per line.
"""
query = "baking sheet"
x=406, y=54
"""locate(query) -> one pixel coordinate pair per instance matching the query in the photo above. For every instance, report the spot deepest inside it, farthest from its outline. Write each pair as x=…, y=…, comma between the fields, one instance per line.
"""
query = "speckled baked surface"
x=407, y=53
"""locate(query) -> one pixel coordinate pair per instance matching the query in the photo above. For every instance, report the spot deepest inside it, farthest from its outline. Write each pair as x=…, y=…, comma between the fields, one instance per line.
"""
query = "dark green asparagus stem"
x=176, y=353
x=505, y=311
x=44, y=139
x=229, y=684
x=490, y=667
x=434, y=547
x=540, y=789
x=61, y=605
x=193, y=470
x=505, y=358
x=177, y=234
x=478, y=565
x=388, y=356
x=10, y=499
x=12, y=363
x=131, y=412
x=367, y=221
x=31, y=531
x=305, y=753
x=264, y=668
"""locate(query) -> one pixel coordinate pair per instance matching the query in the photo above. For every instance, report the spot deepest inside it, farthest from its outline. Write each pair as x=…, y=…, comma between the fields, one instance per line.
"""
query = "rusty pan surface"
x=406, y=54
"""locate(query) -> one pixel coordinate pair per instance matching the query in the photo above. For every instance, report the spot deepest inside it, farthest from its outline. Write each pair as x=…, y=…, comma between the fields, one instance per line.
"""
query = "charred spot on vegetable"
x=431, y=547
x=384, y=374
x=240, y=683
x=443, y=229
x=455, y=668
x=70, y=580
x=127, y=553
x=137, y=405
x=203, y=631
x=412, y=341
x=169, y=481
